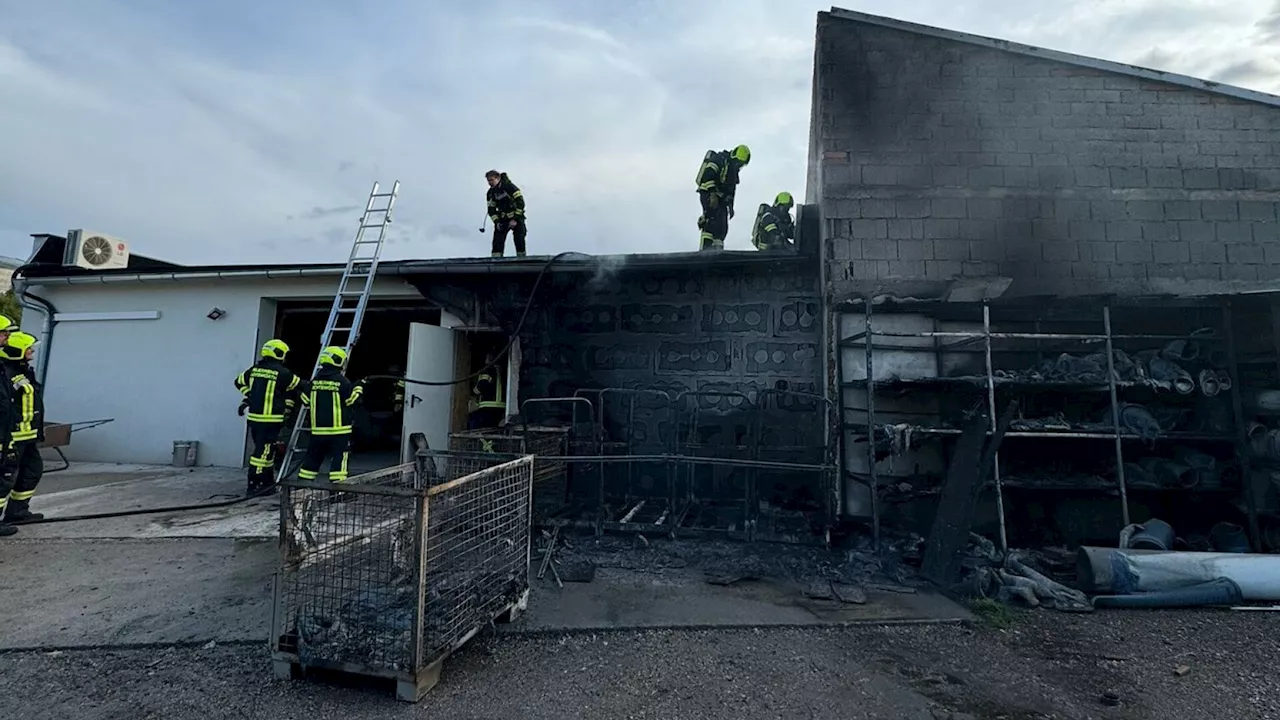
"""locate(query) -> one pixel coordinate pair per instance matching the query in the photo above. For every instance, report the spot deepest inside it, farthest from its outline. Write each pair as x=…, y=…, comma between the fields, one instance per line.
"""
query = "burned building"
x=1004, y=223
x=986, y=224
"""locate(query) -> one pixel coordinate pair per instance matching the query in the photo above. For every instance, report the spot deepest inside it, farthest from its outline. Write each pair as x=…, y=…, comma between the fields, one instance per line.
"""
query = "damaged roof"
x=46, y=265
x=1055, y=55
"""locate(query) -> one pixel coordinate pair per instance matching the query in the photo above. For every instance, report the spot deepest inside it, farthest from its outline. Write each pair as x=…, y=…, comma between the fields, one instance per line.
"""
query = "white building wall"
x=165, y=379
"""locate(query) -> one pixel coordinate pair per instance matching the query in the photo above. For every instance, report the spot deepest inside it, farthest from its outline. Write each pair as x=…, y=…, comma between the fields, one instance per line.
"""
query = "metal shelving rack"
x=990, y=382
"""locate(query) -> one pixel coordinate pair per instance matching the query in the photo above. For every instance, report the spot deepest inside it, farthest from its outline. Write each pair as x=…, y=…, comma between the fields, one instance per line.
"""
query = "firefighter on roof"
x=774, y=229
x=270, y=390
x=506, y=210
x=22, y=467
x=717, y=184
x=330, y=400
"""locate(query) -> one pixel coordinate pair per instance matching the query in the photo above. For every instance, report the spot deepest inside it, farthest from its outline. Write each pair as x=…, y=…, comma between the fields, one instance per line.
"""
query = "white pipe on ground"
x=1112, y=571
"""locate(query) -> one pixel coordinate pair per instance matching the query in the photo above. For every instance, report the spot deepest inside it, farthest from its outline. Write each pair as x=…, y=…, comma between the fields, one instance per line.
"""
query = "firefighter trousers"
x=518, y=233
x=334, y=448
x=262, y=458
x=20, y=473
x=714, y=222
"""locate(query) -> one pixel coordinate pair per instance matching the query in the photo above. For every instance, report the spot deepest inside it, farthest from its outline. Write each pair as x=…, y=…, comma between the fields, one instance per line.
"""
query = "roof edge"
x=1112, y=66
x=580, y=263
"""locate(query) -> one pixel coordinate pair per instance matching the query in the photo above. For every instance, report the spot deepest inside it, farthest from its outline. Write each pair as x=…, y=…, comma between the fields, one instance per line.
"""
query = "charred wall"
x=727, y=339
x=937, y=158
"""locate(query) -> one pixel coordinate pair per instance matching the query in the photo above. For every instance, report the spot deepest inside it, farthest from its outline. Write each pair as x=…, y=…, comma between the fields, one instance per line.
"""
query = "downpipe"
x=34, y=302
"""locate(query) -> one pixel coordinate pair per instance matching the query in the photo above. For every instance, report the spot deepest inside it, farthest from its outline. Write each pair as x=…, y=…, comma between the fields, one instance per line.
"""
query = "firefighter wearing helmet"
x=717, y=184
x=774, y=229
x=329, y=400
x=270, y=391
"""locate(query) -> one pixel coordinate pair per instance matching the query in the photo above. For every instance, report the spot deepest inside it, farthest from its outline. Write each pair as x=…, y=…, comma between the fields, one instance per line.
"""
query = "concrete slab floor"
x=204, y=575
x=627, y=599
x=78, y=593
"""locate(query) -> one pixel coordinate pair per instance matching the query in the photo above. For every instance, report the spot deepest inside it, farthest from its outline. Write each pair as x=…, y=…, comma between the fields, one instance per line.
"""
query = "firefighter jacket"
x=26, y=411
x=773, y=227
x=506, y=202
x=9, y=403
x=488, y=391
x=330, y=399
x=718, y=176
x=269, y=390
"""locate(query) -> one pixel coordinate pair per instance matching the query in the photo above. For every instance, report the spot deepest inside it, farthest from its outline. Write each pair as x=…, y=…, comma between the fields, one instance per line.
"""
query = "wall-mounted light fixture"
x=216, y=313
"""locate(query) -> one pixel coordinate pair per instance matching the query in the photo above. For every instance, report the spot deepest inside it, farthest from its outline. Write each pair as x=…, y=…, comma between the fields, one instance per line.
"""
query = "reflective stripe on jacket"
x=269, y=389
x=329, y=400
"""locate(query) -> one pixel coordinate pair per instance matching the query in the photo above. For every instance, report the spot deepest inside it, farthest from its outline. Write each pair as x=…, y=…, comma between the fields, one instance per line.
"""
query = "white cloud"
x=247, y=135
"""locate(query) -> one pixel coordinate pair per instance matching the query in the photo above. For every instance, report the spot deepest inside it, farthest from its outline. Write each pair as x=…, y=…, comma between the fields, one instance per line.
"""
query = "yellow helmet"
x=333, y=355
x=742, y=154
x=784, y=199
x=17, y=345
x=275, y=349
x=6, y=324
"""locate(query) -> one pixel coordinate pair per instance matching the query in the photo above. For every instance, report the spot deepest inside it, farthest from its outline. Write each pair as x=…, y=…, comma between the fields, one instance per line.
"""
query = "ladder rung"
x=386, y=194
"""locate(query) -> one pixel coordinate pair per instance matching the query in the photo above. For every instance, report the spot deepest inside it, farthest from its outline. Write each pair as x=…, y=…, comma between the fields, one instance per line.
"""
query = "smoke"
x=606, y=272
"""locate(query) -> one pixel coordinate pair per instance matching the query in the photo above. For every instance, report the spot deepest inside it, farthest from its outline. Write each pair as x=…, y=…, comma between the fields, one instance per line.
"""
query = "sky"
x=241, y=132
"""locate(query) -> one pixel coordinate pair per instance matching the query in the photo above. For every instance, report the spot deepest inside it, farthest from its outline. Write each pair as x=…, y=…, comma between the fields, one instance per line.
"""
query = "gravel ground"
x=1191, y=665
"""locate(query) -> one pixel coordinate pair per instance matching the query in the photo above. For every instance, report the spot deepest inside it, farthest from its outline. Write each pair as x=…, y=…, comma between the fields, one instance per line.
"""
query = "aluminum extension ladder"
x=352, y=299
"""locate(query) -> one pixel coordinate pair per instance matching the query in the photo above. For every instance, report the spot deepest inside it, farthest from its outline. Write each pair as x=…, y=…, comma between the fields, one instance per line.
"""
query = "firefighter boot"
x=19, y=513
x=7, y=530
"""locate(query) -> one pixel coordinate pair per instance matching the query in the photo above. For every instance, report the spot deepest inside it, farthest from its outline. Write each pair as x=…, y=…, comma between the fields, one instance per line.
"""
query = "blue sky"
x=246, y=132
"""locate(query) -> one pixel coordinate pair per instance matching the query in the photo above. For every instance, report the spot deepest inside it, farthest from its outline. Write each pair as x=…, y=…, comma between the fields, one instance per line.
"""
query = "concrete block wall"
x=935, y=158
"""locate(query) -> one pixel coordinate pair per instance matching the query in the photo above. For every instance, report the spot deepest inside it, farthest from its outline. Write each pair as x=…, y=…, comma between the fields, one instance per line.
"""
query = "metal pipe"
x=993, y=420
x=1115, y=416
x=873, y=481
x=1242, y=431
x=44, y=307
x=691, y=459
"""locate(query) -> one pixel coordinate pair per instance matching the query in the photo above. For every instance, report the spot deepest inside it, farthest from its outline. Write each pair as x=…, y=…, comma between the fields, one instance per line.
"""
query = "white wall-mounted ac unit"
x=95, y=251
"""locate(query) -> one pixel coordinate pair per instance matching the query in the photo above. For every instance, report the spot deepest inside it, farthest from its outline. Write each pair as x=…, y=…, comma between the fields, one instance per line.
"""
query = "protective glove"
x=242, y=409
x=730, y=212
x=702, y=221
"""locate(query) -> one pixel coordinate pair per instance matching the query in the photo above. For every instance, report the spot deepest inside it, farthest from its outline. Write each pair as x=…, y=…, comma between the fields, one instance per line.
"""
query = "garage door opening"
x=381, y=350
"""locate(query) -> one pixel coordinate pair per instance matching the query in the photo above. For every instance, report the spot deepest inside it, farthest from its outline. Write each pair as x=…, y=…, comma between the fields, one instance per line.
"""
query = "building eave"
x=576, y=263
x=1109, y=66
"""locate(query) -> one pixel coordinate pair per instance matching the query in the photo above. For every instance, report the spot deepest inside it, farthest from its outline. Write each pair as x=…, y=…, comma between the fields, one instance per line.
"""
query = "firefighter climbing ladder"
x=349, y=304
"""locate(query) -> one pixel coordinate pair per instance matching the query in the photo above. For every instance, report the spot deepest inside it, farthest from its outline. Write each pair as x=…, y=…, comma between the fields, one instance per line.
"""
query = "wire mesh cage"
x=388, y=573
x=550, y=477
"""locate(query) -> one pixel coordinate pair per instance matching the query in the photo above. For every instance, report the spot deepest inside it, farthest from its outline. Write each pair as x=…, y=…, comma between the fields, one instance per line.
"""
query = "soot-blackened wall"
x=696, y=331
x=937, y=158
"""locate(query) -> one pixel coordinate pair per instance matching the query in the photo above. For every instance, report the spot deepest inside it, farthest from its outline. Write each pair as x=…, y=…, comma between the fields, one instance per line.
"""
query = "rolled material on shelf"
x=1112, y=571
x=1222, y=591
x=1154, y=534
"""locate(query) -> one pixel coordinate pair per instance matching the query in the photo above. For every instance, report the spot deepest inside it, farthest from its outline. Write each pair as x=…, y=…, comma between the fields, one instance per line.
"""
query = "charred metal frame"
x=866, y=339
x=681, y=500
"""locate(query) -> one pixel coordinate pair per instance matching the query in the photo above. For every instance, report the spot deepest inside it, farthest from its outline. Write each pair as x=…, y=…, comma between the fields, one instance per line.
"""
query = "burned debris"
x=1126, y=411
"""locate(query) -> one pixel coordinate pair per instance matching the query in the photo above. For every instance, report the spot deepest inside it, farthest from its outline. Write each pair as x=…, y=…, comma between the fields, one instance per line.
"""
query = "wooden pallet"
x=410, y=686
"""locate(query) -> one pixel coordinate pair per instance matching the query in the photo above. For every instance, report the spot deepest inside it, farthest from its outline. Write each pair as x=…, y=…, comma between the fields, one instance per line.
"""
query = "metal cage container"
x=550, y=477
x=388, y=573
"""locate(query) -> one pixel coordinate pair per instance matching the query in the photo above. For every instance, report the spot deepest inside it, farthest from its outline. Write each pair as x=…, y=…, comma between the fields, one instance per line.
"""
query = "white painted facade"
x=167, y=378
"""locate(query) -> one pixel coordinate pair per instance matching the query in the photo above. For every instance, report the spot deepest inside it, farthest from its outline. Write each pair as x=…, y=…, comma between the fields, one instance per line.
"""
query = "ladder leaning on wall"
x=352, y=298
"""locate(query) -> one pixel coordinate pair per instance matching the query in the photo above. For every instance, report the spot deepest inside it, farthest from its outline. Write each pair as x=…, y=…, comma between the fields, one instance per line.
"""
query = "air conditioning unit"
x=95, y=251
